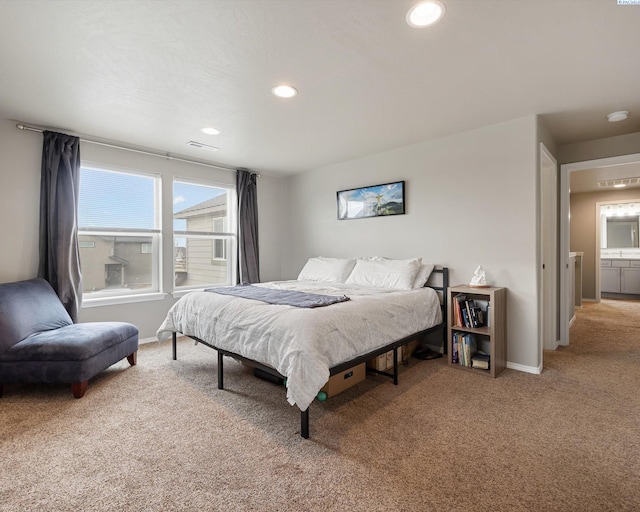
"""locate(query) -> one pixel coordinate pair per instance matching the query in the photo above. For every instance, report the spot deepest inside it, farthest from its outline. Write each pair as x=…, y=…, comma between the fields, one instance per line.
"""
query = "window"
x=119, y=233
x=219, y=244
x=204, y=234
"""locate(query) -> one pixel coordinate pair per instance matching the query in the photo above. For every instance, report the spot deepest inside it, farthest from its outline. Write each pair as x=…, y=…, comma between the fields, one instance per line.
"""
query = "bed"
x=383, y=305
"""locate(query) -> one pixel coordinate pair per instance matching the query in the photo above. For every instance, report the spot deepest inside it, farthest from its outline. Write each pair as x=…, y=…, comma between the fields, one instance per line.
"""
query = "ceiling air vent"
x=200, y=145
x=622, y=182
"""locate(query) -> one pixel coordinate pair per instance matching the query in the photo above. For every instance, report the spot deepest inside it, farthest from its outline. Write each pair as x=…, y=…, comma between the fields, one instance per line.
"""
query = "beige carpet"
x=161, y=436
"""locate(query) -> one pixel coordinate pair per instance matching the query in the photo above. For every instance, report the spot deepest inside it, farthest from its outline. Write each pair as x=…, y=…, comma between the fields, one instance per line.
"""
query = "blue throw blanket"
x=282, y=297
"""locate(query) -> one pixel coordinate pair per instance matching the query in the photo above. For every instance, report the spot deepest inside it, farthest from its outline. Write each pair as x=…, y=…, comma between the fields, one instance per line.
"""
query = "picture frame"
x=371, y=201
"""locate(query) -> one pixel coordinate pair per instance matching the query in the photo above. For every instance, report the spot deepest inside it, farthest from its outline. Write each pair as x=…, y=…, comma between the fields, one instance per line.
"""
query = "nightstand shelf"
x=490, y=339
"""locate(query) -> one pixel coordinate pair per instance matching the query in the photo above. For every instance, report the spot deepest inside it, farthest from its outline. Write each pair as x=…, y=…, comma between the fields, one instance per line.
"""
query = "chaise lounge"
x=39, y=343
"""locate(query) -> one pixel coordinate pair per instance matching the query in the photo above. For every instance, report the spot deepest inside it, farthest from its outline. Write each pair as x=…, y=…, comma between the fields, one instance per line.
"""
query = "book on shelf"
x=465, y=318
x=463, y=348
x=454, y=349
x=469, y=347
x=480, y=360
x=459, y=299
x=477, y=315
x=468, y=313
x=468, y=305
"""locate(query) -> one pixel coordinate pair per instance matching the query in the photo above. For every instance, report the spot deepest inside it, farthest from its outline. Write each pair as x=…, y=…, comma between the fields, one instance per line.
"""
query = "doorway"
x=566, y=293
x=616, y=224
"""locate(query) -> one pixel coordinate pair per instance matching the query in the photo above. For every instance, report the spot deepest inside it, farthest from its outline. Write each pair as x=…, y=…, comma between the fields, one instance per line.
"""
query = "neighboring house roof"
x=216, y=205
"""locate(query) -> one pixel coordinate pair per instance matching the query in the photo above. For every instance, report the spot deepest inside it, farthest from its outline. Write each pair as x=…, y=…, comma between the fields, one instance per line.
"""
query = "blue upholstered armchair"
x=39, y=343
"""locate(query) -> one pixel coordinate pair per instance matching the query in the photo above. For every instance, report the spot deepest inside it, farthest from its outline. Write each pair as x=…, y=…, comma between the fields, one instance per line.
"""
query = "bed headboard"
x=442, y=288
x=444, y=280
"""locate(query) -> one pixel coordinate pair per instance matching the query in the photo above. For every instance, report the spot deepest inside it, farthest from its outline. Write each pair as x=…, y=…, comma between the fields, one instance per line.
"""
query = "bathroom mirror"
x=621, y=232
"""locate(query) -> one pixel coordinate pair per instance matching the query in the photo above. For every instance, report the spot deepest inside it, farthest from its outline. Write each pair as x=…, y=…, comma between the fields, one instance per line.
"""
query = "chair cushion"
x=27, y=308
x=75, y=342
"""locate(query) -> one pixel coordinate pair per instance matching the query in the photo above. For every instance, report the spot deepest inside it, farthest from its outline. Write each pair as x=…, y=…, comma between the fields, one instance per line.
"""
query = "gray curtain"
x=248, y=258
x=59, y=184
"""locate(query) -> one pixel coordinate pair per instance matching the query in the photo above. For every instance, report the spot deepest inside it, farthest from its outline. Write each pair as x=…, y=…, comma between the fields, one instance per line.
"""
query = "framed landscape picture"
x=374, y=201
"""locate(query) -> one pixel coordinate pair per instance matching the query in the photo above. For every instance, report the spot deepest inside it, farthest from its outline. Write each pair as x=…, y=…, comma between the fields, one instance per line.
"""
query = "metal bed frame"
x=395, y=345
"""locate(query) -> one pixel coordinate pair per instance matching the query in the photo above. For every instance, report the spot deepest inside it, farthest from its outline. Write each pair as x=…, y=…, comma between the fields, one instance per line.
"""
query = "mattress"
x=302, y=344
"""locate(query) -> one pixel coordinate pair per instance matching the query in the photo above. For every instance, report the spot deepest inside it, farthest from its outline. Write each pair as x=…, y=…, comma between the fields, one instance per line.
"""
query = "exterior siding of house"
x=202, y=268
x=137, y=271
x=114, y=262
x=93, y=261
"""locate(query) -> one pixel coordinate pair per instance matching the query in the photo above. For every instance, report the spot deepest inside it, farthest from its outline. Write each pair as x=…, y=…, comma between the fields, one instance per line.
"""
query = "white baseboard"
x=524, y=368
x=147, y=340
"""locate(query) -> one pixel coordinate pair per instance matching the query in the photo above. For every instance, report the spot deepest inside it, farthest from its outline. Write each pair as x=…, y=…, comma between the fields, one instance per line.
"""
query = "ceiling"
x=587, y=180
x=150, y=74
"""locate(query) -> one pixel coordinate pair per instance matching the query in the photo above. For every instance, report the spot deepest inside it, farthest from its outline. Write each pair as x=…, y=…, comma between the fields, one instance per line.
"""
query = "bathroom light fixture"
x=209, y=130
x=621, y=115
x=425, y=13
x=284, y=91
x=619, y=182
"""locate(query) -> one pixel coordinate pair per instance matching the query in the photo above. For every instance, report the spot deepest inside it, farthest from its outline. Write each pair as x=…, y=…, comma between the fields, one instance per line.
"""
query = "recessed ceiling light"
x=209, y=130
x=614, y=117
x=426, y=13
x=284, y=91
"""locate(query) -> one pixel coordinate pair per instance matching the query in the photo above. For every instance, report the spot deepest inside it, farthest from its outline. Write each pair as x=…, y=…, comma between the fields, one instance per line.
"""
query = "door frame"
x=565, y=229
x=548, y=252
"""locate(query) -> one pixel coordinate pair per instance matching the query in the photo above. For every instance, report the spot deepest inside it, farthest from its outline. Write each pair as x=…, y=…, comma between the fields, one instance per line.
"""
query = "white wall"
x=600, y=148
x=20, y=159
x=470, y=199
x=273, y=225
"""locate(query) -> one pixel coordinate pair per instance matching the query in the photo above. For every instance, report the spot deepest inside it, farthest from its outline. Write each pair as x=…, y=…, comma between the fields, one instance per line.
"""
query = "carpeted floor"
x=161, y=436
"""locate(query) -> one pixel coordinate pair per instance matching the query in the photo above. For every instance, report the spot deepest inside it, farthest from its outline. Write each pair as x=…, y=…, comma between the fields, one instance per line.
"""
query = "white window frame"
x=108, y=297
x=223, y=240
x=230, y=236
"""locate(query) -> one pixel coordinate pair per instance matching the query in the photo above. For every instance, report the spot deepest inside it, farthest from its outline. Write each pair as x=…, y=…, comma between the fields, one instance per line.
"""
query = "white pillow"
x=421, y=278
x=396, y=274
x=326, y=270
x=423, y=275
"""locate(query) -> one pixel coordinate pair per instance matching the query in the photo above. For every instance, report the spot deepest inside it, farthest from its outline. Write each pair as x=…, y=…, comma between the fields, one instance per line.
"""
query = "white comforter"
x=301, y=343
